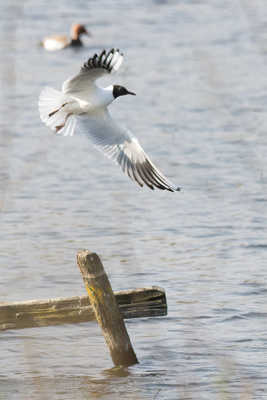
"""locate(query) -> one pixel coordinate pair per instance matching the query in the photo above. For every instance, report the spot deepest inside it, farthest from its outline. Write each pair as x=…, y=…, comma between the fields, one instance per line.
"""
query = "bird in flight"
x=82, y=106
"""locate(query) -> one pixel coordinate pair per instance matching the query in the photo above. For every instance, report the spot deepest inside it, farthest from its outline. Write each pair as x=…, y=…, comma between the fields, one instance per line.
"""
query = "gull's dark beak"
x=134, y=94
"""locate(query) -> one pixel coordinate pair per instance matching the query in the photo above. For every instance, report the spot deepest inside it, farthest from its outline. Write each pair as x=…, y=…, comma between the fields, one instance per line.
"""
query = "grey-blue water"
x=199, y=69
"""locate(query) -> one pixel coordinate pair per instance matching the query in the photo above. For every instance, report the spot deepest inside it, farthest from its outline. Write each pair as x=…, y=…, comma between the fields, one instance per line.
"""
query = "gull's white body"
x=82, y=106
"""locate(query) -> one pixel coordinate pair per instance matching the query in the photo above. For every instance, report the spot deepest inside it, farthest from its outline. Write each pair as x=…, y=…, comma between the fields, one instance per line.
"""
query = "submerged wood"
x=133, y=303
x=106, y=308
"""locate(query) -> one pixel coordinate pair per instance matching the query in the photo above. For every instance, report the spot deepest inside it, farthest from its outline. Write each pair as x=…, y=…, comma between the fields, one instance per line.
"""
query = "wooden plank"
x=133, y=303
x=106, y=309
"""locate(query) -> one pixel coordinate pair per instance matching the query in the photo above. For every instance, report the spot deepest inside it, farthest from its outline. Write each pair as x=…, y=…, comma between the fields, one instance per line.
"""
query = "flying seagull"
x=83, y=106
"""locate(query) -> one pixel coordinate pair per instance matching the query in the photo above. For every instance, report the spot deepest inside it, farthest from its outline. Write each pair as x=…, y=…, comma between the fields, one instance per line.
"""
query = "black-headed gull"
x=58, y=42
x=83, y=105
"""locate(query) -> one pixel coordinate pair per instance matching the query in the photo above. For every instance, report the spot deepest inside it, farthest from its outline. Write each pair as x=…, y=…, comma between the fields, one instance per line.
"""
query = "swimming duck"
x=58, y=42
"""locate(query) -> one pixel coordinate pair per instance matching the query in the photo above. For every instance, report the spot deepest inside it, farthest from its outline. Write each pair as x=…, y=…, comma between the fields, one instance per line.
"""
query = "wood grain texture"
x=106, y=309
x=133, y=303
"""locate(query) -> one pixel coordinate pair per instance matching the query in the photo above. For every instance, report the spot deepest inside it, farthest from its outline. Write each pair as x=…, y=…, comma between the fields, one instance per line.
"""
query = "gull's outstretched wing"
x=96, y=67
x=119, y=145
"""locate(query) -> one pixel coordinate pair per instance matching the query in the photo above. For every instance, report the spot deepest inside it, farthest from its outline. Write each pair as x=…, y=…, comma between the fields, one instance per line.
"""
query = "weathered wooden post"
x=133, y=303
x=106, y=309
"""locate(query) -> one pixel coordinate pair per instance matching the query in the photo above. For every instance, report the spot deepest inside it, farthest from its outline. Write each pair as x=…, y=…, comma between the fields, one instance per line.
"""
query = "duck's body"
x=82, y=105
x=59, y=42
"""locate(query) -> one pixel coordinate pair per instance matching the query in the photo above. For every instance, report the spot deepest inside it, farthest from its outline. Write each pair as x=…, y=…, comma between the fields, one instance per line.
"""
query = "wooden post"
x=133, y=303
x=106, y=309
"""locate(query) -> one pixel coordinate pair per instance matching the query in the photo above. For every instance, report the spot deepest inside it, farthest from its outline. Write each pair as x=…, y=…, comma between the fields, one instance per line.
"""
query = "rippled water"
x=199, y=71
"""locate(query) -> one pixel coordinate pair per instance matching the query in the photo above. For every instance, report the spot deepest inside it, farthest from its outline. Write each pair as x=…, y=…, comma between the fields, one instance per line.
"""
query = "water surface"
x=199, y=71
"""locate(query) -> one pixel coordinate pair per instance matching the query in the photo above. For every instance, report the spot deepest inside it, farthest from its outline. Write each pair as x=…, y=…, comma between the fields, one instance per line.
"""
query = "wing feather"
x=94, y=68
x=123, y=148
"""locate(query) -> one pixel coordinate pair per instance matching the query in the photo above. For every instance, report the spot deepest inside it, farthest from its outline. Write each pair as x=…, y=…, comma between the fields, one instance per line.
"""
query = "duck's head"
x=77, y=30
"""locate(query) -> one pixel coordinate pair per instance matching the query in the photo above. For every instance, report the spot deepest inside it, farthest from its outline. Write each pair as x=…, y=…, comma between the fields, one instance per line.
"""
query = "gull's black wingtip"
x=173, y=189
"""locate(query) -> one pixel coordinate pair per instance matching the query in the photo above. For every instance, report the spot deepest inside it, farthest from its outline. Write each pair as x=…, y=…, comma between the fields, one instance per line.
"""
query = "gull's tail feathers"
x=51, y=108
